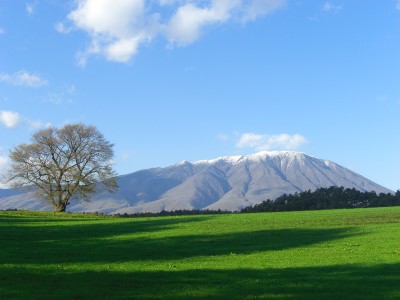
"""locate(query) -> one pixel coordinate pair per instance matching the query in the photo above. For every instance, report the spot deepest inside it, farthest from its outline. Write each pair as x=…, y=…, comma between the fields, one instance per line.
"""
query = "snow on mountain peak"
x=265, y=154
x=229, y=159
x=234, y=159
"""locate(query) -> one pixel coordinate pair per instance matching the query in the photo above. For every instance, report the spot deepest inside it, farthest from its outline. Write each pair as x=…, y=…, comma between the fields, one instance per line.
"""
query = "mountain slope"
x=226, y=183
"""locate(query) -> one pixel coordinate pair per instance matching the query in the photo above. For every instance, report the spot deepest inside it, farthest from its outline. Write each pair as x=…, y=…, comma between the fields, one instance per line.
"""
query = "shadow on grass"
x=335, y=282
x=119, y=241
x=64, y=228
x=28, y=248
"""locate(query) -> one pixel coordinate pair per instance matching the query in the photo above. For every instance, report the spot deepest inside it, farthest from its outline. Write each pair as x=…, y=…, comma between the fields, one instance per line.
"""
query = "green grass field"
x=337, y=254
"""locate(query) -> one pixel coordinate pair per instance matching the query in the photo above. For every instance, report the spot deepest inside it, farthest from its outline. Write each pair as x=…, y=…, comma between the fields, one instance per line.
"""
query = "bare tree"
x=63, y=164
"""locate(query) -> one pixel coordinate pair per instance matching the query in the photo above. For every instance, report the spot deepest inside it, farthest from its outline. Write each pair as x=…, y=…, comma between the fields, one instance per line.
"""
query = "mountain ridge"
x=226, y=183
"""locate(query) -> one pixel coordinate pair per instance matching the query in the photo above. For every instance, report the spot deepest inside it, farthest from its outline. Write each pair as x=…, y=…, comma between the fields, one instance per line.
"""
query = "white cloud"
x=61, y=28
x=257, y=8
x=36, y=124
x=122, y=50
x=9, y=119
x=331, y=8
x=64, y=96
x=109, y=17
x=186, y=25
x=117, y=29
x=58, y=98
x=250, y=140
x=23, y=78
x=271, y=142
x=30, y=8
x=398, y=4
x=189, y=21
x=167, y=2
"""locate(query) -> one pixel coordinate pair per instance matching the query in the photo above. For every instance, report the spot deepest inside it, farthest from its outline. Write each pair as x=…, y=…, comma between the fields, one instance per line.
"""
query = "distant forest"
x=326, y=198
x=323, y=198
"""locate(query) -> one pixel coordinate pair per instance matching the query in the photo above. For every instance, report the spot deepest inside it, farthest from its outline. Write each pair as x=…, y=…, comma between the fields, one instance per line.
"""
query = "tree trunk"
x=60, y=207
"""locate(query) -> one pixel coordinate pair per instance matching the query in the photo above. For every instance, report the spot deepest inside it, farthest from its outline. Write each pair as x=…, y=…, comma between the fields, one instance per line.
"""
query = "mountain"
x=226, y=183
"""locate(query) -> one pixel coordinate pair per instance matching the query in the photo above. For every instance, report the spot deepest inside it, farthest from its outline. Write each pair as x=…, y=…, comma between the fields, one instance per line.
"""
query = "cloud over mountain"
x=265, y=142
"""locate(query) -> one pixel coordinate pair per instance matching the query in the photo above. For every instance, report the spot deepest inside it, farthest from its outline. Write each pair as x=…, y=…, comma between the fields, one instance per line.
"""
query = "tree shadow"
x=122, y=240
x=34, y=256
x=330, y=282
x=90, y=225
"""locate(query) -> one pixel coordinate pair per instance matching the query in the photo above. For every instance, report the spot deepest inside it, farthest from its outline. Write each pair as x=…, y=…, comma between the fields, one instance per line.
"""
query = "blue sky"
x=173, y=80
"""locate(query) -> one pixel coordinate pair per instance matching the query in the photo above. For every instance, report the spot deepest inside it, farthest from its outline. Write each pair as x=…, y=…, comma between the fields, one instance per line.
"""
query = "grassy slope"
x=338, y=254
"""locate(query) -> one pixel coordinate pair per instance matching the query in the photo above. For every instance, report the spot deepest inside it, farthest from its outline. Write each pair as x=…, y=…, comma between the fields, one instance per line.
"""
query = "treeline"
x=180, y=212
x=326, y=198
x=322, y=198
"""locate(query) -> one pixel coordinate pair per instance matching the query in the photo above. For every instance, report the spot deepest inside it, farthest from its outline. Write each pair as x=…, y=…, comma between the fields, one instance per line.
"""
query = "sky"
x=173, y=80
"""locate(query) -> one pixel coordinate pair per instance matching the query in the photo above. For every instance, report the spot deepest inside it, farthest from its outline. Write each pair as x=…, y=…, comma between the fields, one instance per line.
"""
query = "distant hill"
x=226, y=183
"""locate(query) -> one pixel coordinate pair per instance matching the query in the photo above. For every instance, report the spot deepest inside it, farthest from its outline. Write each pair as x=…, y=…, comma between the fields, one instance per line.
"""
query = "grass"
x=337, y=254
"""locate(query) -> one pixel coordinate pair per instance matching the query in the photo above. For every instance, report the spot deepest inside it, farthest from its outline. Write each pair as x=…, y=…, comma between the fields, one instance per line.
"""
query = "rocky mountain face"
x=226, y=183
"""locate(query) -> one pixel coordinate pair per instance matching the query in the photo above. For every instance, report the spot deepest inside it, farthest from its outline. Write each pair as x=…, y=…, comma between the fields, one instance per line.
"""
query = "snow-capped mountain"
x=226, y=183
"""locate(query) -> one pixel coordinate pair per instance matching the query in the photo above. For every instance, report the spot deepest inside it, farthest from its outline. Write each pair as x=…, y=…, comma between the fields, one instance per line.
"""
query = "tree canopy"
x=63, y=164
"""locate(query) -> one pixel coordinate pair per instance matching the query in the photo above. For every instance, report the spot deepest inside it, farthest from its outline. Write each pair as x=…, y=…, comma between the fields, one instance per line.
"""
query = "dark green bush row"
x=326, y=198
x=181, y=212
